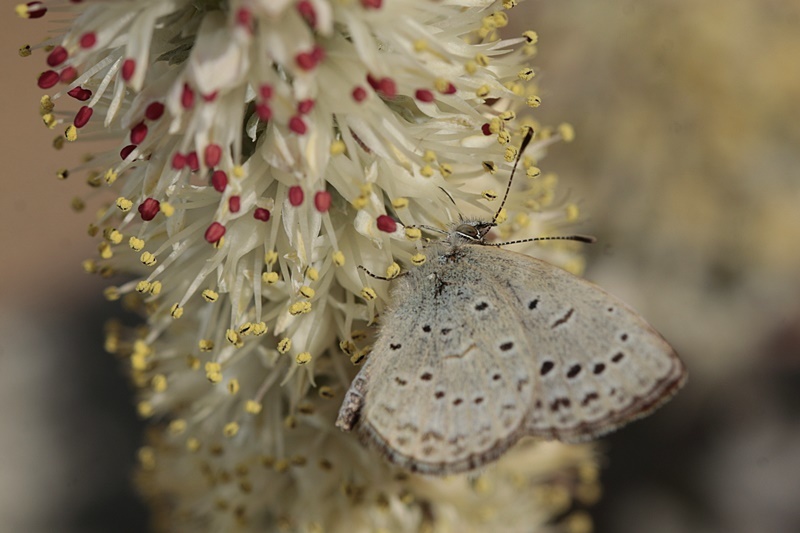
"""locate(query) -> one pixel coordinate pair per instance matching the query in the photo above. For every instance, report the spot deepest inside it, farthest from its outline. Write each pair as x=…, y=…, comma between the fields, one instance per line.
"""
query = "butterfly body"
x=482, y=346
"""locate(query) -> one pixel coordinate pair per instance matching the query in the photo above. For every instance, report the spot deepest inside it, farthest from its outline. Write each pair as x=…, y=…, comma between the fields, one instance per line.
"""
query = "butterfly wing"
x=448, y=383
x=595, y=363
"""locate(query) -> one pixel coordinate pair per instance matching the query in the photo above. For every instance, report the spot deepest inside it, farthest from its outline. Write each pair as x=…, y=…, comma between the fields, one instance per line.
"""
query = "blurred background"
x=686, y=165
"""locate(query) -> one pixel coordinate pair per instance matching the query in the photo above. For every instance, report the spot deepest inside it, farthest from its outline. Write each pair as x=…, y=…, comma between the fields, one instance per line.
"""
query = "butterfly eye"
x=467, y=230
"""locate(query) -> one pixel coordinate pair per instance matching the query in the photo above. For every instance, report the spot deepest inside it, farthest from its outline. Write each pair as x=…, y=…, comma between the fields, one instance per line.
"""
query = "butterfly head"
x=470, y=231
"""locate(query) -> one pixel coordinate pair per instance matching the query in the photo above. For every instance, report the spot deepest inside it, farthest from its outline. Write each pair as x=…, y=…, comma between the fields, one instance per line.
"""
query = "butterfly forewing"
x=596, y=363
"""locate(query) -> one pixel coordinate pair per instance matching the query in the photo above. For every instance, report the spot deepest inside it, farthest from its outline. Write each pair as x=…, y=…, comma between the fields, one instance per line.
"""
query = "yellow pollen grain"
x=326, y=392
x=503, y=137
x=148, y=259
x=166, y=208
x=230, y=429
x=426, y=171
x=143, y=286
x=531, y=36
x=526, y=74
x=110, y=176
x=482, y=91
x=400, y=203
x=71, y=133
x=284, y=345
x=502, y=216
x=360, y=202
x=176, y=311
x=147, y=457
x=445, y=169
x=307, y=292
x=123, y=204
x=413, y=234
x=270, y=257
x=533, y=101
x=253, y=407
x=299, y=308
x=205, y=345
x=338, y=148
x=234, y=338
x=303, y=358
x=105, y=251
x=136, y=244
x=418, y=259
x=338, y=258
x=566, y=131
x=233, y=386
x=159, y=383
x=213, y=372
x=429, y=156
x=368, y=294
x=269, y=277
x=511, y=153
x=312, y=273
x=144, y=409
x=392, y=271
x=572, y=212
x=77, y=204
x=177, y=426
x=210, y=296
x=489, y=194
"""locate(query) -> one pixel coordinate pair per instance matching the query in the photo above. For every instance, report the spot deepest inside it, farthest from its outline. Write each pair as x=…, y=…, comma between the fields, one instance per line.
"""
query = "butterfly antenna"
x=525, y=141
x=588, y=239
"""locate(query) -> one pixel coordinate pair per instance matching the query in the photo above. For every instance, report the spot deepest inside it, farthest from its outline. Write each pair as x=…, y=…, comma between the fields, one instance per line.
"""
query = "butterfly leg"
x=353, y=402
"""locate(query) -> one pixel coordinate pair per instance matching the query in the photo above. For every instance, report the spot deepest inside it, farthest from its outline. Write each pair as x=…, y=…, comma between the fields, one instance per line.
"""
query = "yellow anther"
x=89, y=266
x=445, y=169
x=303, y=358
x=110, y=176
x=143, y=286
x=470, y=67
x=392, y=271
x=176, y=311
x=508, y=4
x=368, y=294
x=482, y=91
x=526, y=74
x=123, y=204
x=299, y=308
x=166, y=208
x=62, y=173
x=326, y=392
x=426, y=171
x=192, y=362
x=360, y=202
x=238, y=171
x=284, y=345
x=489, y=194
x=105, y=251
x=572, y=212
x=400, y=203
x=71, y=133
x=192, y=444
x=496, y=125
x=136, y=244
x=210, y=296
x=338, y=148
x=500, y=19
x=531, y=36
x=155, y=288
x=252, y=407
x=502, y=216
x=566, y=131
x=46, y=104
x=442, y=85
x=429, y=156
x=177, y=426
x=533, y=172
x=260, y=328
x=507, y=116
x=511, y=153
x=338, y=258
x=270, y=277
x=233, y=386
x=159, y=383
x=533, y=101
x=420, y=45
x=270, y=257
x=246, y=329
x=113, y=236
x=307, y=292
x=503, y=137
x=148, y=259
x=205, y=345
x=213, y=372
x=418, y=259
x=111, y=294
x=234, y=338
x=145, y=409
x=482, y=60
x=147, y=457
x=413, y=234
x=230, y=429
x=49, y=120
x=312, y=273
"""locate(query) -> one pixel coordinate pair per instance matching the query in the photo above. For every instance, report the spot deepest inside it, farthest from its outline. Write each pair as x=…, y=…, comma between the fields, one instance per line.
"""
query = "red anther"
x=154, y=111
x=79, y=93
x=296, y=195
x=219, y=180
x=372, y=4
x=261, y=214
x=193, y=161
x=178, y=161
x=138, y=133
x=486, y=129
x=297, y=125
x=308, y=13
x=35, y=10
x=128, y=68
x=212, y=155
x=88, y=39
x=47, y=79
x=265, y=91
x=57, y=56
x=387, y=87
x=234, y=204
x=149, y=209
x=210, y=97
x=424, y=95
x=305, y=60
x=125, y=152
x=68, y=75
x=214, y=232
x=387, y=224
x=187, y=97
x=264, y=112
x=450, y=89
x=244, y=18
x=82, y=116
x=322, y=201
x=318, y=53
x=305, y=106
x=373, y=81
x=359, y=94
